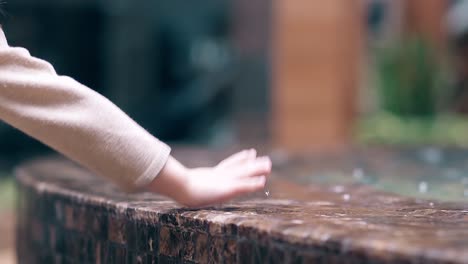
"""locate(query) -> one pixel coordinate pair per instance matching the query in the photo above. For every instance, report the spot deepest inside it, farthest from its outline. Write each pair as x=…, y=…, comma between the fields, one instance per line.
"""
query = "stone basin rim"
x=25, y=178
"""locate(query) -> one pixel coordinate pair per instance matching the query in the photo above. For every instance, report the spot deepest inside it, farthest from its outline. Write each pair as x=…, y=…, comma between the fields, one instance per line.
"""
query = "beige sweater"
x=75, y=120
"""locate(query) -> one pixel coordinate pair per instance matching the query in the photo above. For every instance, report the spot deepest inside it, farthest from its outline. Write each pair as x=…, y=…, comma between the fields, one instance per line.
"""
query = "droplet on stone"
x=423, y=187
x=297, y=222
x=338, y=188
x=432, y=155
x=346, y=197
x=358, y=174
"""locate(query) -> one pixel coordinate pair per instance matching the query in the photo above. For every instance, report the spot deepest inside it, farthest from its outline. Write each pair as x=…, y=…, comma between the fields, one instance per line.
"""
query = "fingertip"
x=262, y=181
x=248, y=185
x=266, y=162
x=260, y=184
x=252, y=153
x=257, y=182
x=269, y=163
x=236, y=158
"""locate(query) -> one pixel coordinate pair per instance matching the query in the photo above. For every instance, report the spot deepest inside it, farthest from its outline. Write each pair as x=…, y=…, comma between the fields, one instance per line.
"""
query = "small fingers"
x=244, y=186
x=250, y=185
x=237, y=158
x=231, y=189
x=258, y=167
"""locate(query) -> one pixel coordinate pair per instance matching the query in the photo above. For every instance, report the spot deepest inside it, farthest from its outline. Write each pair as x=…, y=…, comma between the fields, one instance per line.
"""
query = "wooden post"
x=426, y=18
x=316, y=52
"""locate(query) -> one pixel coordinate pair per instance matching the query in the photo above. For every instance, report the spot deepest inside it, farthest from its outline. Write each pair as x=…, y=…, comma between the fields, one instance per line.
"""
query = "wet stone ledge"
x=67, y=215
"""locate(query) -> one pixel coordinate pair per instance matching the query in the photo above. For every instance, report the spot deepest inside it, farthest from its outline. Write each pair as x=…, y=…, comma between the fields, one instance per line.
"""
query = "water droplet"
x=431, y=204
x=431, y=155
x=358, y=174
x=422, y=187
x=338, y=189
x=346, y=197
x=324, y=237
x=267, y=193
x=297, y=222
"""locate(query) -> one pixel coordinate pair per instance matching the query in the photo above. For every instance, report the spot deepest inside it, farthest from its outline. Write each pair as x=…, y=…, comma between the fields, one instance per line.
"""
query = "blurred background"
x=290, y=75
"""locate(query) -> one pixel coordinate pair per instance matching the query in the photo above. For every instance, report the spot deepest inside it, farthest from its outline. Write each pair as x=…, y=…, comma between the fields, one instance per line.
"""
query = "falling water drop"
x=267, y=193
x=422, y=187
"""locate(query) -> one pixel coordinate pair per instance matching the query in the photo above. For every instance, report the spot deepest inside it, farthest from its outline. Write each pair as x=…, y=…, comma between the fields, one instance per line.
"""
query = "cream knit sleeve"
x=76, y=121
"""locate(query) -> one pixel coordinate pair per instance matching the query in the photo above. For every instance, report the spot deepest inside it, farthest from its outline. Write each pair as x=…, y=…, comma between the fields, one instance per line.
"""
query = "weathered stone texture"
x=67, y=215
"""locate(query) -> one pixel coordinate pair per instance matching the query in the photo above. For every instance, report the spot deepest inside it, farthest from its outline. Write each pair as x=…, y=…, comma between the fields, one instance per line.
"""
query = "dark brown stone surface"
x=67, y=215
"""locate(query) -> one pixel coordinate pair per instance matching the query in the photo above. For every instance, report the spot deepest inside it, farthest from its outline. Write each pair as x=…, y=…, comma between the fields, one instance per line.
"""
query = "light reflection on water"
x=431, y=173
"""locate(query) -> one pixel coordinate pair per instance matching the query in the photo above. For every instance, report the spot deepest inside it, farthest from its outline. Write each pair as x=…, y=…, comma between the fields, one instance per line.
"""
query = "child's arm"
x=76, y=121
x=89, y=129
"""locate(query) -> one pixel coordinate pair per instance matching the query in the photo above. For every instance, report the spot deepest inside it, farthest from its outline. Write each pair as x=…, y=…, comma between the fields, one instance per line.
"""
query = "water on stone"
x=358, y=174
x=431, y=173
x=346, y=197
x=422, y=187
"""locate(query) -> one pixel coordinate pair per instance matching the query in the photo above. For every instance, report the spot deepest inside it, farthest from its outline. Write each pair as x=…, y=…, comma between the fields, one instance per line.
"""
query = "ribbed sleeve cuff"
x=155, y=167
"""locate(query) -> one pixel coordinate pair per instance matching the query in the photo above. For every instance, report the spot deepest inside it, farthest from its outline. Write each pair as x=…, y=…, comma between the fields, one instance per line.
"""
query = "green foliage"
x=7, y=192
x=387, y=128
x=413, y=85
x=409, y=78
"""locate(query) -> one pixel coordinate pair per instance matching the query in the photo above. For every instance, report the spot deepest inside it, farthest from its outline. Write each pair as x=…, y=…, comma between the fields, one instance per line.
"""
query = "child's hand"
x=239, y=174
